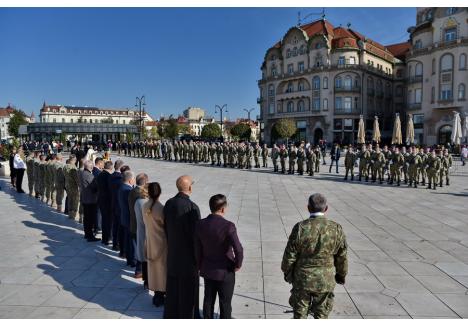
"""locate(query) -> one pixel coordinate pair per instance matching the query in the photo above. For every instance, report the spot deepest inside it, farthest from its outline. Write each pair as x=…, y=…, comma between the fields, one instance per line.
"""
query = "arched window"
x=446, y=77
x=300, y=86
x=461, y=91
x=446, y=62
x=325, y=104
x=325, y=82
x=348, y=82
x=370, y=83
x=418, y=70
x=290, y=88
x=462, y=62
x=290, y=107
x=271, y=90
x=273, y=70
x=300, y=106
x=316, y=82
x=338, y=82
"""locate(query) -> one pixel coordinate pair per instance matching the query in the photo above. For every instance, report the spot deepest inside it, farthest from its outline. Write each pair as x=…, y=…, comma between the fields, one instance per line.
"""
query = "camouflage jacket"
x=350, y=159
x=316, y=248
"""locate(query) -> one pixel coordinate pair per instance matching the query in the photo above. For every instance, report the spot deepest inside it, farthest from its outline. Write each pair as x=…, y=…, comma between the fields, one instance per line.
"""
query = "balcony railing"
x=351, y=89
x=347, y=110
x=438, y=45
x=414, y=106
x=415, y=79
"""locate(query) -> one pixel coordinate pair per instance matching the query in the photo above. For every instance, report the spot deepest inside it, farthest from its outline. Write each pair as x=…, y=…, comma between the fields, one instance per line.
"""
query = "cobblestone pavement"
x=408, y=248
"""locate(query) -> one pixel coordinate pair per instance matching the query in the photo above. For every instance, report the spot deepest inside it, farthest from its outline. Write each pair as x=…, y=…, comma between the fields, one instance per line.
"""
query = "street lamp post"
x=140, y=104
x=221, y=109
x=248, y=112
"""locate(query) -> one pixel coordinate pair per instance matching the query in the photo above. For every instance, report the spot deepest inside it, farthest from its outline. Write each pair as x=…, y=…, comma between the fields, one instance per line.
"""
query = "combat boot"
x=429, y=186
x=411, y=184
x=367, y=178
x=381, y=181
x=447, y=183
x=398, y=183
x=415, y=185
x=352, y=178
x=441, y=184
x=360, y=179
x=346, y=178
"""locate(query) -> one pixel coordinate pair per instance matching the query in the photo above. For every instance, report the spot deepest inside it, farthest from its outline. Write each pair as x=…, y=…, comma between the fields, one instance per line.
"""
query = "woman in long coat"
x=156, y=243
x=141, y=233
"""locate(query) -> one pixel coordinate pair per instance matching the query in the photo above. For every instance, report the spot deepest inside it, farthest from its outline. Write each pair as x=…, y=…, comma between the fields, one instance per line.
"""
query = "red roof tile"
x=399, y=50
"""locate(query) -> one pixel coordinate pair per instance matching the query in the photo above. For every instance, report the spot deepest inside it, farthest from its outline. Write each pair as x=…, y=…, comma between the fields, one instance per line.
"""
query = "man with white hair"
x=88, y=190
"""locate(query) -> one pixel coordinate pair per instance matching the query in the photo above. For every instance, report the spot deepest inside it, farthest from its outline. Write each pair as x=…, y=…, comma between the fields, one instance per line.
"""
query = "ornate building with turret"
x=324, y=77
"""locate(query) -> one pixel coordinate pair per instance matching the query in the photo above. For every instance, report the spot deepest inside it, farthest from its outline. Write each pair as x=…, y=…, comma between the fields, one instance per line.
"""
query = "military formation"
x=412, y=166
x=49, y=178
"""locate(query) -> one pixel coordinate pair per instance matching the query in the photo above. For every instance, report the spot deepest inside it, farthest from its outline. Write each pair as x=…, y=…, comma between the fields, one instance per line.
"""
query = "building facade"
x=324, y=77
x=5, y=116
x=437, y=71
x=86, y=114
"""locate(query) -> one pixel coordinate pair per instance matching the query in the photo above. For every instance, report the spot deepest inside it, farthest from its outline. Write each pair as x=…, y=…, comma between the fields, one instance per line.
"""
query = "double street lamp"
x=221, y=109
x=248, y=112
x=140, y=103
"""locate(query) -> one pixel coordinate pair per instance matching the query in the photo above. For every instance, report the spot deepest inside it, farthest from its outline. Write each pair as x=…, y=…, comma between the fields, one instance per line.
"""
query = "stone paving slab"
x=408, y=248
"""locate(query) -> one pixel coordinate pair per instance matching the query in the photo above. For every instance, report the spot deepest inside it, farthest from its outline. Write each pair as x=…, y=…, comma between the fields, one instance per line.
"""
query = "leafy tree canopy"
x=211, y=130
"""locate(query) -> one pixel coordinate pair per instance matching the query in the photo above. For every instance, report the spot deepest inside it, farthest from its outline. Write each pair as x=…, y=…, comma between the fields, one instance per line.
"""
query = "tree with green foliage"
x=185, y=129
x=17, y=119
x=171, y=129
x=285, y=128
x=241, y=131
x=154, y=133
x=211, y=130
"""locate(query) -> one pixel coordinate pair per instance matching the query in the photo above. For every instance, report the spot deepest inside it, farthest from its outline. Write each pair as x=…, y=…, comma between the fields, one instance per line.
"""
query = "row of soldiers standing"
x=416, y=165
x=49, y=177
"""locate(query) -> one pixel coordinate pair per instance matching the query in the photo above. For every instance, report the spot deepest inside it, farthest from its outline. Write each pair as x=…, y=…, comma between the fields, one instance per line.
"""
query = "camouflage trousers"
x=433, y=176
x=363, y=170
x=444, y=173
x=30, y=181
x=59, y=195
x=73, y=202
x=422, y=173
x=413, y=174
x=310, y=167
x=317, y=165
x=306, y=302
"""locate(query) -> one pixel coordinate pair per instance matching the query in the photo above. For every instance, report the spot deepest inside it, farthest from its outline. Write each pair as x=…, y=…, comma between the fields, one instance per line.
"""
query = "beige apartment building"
x=325, y=77
x=87, y=114
x=437, y=71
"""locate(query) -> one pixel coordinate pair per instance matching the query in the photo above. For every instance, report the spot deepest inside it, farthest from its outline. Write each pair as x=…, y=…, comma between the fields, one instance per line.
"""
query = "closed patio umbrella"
x=361, y=134
x=410, y=130
x=396, y=137
x=456, y=129
x=376, y=132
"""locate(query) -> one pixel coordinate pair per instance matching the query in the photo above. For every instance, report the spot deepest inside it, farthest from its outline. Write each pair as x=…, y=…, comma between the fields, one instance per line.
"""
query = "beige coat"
x=155, y=246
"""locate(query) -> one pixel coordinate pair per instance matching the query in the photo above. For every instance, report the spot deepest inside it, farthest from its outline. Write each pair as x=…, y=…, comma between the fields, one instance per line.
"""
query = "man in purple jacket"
x=219, y=255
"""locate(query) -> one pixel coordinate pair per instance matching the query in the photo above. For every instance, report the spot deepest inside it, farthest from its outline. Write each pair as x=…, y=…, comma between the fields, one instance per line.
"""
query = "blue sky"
x=176, y=57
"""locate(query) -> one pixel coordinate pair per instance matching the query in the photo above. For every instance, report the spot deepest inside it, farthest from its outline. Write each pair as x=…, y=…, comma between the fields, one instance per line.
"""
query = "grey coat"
x=88, y=187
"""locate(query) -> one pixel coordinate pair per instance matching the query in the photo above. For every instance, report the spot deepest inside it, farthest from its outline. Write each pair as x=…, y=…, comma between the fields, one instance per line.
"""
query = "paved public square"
x=408, y=248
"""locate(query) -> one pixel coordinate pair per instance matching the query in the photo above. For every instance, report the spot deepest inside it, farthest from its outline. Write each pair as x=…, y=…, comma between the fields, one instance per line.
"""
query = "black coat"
x=115, y=180
x=180, y=218
x=104, y=190
x=335, y=153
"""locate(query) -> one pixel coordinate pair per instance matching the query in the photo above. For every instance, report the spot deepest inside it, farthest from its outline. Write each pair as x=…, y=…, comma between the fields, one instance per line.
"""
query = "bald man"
x=180, y=217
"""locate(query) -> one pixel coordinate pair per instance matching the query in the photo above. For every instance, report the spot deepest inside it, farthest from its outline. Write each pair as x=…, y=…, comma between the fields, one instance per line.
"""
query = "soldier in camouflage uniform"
x=73, y=189
x=196, y=152
x=445, y=165
x=378, y=164
x=40, y=177
x=225, y=148
x=433, y=167
x=422, y=167
x=219, y=153
x=387, y=155
x=283, y=156
x=45, y=173
x=405, y=165
x=37, y=180
x=59, y=182
x=51, y=179
x=414, y=160
x=213, y=154
x=318, y=157
x=292, y=154
x=275, y=152
x=300, y=155
x=256, y=155
x=248, y=156
x=398, y=160
x=30, y=172
x=265, y=156
x=311, y=160
x=315, y=259
x=364, y=157
x=349, y=161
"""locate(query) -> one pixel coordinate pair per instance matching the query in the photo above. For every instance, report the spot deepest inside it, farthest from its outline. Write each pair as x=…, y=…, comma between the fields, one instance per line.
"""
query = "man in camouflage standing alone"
x=315, y=259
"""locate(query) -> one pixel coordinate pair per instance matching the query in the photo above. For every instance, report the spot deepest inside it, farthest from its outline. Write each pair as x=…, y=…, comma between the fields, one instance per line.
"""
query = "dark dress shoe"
x=93, y=239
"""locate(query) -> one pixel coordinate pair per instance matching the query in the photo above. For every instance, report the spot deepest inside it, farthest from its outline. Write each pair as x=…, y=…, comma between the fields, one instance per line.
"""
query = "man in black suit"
x=105, y=201
x=180, y=218
x=219, y=255
x=115, y=181
x=335, y=154
x=88, y=198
